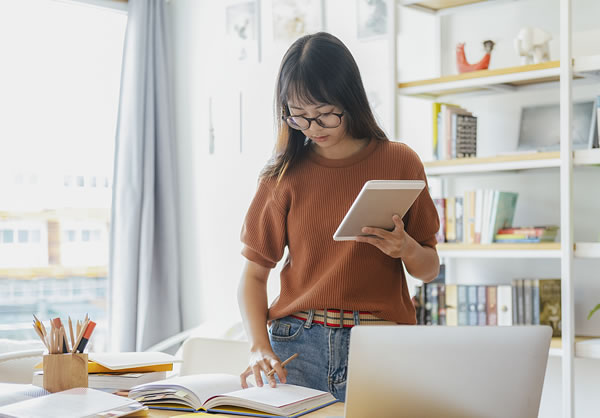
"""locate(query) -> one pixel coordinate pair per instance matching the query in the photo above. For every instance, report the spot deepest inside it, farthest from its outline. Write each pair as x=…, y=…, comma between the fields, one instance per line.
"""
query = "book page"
x=265, y=398
x=201, y=386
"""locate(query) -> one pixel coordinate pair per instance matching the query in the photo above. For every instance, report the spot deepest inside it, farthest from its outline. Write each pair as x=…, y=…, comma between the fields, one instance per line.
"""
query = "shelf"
x=528, y=250
x=556, y=347
x=499, y=80
x=509, y=162
x=587, y=249
x=446, y=6
x=516, y=250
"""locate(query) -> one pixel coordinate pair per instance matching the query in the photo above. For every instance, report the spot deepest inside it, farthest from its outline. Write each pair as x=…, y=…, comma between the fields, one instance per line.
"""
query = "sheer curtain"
x=144, y=267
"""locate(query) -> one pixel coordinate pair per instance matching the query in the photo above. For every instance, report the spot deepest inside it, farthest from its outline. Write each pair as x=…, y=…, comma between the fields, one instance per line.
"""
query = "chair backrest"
x=210, y=355
x=17, y=360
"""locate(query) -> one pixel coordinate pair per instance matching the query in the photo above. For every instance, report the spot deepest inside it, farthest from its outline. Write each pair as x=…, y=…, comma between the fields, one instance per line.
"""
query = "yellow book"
x=132, y=362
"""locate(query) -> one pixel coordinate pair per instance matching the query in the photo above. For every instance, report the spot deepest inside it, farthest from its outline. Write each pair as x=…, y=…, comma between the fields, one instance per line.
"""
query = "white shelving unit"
x=560, y=74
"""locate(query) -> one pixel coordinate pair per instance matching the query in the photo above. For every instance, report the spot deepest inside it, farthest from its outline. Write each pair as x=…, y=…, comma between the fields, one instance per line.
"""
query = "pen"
x=86, y=336
x=293, y=356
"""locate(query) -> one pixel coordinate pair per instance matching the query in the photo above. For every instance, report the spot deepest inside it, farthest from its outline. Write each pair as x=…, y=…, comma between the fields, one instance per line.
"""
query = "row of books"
x=475, y=217
x=524, y=302
x=454, y=132
x=532, y=234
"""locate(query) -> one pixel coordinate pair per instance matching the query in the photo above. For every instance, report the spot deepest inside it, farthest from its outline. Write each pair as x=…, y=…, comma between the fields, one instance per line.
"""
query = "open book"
x=223, y=393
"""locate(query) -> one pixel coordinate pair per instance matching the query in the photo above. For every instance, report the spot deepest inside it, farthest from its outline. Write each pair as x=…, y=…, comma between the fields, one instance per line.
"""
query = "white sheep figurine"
x=532, y=44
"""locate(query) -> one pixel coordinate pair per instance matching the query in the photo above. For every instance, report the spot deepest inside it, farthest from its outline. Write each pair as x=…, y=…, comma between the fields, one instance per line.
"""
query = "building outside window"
x=60, y=82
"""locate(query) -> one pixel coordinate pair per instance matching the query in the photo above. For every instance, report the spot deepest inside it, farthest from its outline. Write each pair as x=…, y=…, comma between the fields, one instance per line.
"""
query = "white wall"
x=216, y=189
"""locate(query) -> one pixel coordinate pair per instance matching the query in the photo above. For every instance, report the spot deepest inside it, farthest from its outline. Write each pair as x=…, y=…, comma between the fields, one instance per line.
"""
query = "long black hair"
x=318, y=68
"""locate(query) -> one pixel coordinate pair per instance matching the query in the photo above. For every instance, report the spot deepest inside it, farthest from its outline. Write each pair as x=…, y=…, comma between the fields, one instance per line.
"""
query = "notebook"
x=222, y=393
x=73, y=403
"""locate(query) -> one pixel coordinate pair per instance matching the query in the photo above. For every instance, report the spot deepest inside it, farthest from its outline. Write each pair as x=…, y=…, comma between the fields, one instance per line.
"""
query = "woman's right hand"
x=265, y=360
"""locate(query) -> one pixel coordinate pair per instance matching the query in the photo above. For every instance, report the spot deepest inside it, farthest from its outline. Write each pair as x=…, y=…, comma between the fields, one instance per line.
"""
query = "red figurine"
x=464, y=66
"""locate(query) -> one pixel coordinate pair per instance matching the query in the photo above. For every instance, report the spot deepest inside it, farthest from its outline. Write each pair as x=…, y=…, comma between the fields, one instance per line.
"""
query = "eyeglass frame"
x=310, y=120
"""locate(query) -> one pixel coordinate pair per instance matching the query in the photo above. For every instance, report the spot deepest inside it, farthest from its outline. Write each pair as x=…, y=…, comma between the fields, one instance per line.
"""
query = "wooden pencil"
x=283, y=364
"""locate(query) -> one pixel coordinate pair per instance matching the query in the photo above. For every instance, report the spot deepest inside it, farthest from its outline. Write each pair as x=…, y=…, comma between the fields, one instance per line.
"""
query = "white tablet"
x=375, y=205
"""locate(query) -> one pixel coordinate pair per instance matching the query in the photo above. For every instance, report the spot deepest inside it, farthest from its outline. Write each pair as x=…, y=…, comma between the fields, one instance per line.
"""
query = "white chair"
x=17, y=360
x=213, y=355
x=212, y=347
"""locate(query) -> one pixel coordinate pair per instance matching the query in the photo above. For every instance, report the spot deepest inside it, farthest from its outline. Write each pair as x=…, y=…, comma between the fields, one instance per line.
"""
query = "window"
x=59, y=78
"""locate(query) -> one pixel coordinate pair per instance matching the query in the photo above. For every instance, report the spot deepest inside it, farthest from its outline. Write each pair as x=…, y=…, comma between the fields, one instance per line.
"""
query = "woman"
x=328, y=146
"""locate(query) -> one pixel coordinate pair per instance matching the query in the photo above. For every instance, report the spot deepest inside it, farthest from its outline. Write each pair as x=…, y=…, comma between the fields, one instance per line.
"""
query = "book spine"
x=481, y=305
x=515, y=302
x=472, y=304
x=527, y=302
x=535, y=296
x=440, y=205
x=505, y=306
x=463, y=305
x=550, y=305
x=451, y=305
x=435, y=306
x=441, y=304
x=492, y=304
x=451, y=219
x=520, y=302
x=427, y=305
x=478, y=214
x=458, y=212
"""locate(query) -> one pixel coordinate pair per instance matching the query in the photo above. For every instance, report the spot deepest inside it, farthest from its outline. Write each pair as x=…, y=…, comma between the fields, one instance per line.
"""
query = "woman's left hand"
x=396, y=243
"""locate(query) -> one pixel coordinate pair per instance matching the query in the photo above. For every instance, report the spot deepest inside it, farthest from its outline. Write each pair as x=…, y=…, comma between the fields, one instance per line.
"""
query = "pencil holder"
x=65, y=371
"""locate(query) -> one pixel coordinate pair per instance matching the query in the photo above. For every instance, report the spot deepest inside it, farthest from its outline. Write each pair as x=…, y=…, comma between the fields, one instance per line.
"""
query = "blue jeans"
x=322, y=361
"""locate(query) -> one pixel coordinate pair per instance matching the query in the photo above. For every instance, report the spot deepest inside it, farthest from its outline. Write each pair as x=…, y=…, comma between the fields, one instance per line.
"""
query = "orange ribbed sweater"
x=303, y=211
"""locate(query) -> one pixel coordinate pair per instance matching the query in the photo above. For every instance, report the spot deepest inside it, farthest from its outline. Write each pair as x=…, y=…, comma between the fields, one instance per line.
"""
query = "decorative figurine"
x=532, y=44
x=464, y=66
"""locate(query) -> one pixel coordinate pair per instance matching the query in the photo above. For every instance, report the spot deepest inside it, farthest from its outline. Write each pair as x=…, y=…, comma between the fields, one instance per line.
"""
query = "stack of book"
x=116, y=372
x=532, y=234
x=454, y=132
x=475, y=217
x=524, y=302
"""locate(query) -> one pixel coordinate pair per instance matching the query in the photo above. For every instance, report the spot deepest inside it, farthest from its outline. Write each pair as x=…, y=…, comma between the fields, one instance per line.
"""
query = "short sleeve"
x=421, y=221
x=264, y=230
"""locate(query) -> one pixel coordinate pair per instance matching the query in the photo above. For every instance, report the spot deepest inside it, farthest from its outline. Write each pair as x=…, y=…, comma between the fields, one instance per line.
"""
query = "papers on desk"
x=112, y=382
x=72, y=403
x=15, y=392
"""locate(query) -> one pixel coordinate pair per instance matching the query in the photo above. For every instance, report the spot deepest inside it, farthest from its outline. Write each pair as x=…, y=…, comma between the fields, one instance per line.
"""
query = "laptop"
x=437, y=371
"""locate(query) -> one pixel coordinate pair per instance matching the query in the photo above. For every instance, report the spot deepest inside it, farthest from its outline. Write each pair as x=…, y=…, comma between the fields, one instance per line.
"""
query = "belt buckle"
x=325, y=322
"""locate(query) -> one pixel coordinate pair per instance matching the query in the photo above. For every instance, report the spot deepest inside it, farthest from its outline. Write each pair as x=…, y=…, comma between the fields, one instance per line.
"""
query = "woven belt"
x=334, y=318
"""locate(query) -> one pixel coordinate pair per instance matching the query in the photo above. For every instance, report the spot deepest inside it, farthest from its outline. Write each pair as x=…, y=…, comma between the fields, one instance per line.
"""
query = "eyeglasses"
x=324, y=120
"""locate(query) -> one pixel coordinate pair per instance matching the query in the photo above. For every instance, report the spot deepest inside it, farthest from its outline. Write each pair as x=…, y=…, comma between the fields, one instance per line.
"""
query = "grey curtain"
x=144, y=270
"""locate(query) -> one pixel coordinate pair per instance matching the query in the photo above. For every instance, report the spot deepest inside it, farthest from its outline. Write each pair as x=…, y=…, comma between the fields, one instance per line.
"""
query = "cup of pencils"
x=65, y=365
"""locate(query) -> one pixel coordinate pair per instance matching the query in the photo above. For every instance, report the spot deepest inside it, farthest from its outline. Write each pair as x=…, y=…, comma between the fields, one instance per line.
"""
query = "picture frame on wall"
x=295, y=18
x=372, y=19
x=540, y=127
x=242, y=28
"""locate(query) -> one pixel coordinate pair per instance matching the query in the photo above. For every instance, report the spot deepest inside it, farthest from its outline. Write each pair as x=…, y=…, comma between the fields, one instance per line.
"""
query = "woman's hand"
x=396, y=243
x=263, y=360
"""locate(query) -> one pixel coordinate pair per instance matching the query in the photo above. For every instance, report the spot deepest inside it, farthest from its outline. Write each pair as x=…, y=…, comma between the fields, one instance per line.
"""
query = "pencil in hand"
x=283, y=364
